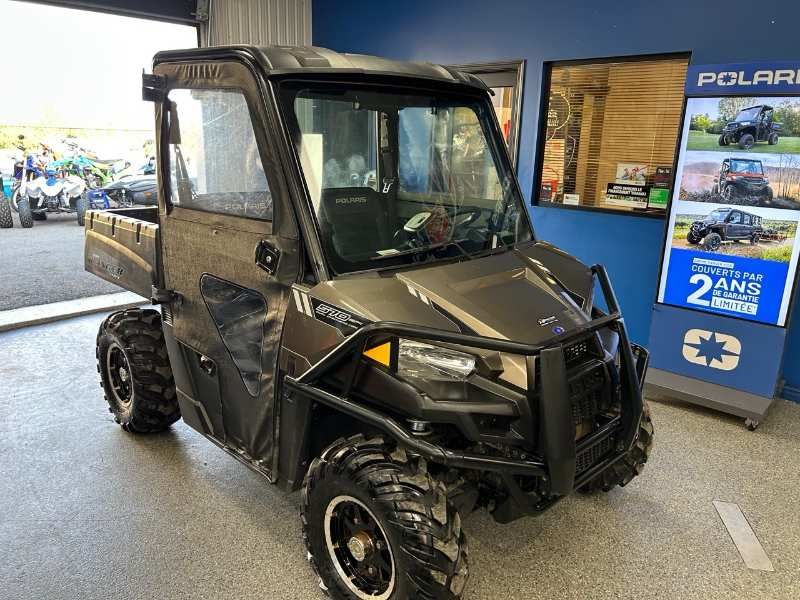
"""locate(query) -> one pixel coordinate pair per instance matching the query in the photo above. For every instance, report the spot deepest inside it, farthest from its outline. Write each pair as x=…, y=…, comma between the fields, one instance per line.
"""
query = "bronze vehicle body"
x=351, y=301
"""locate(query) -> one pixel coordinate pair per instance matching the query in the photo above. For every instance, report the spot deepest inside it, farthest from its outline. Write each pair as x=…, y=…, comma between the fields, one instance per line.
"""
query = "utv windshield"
x=748, y=114
x=747, y=166
x=718, y=215
x=399, y=177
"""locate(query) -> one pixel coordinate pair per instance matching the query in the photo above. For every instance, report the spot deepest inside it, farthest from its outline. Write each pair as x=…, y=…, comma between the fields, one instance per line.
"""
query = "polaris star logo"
x=711, y=349
x=743, y=78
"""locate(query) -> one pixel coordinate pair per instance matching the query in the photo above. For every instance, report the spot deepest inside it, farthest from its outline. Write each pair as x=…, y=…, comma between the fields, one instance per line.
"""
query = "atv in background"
x=133, y=189
x=751, y=125
x=742, y=177
x=725, y=225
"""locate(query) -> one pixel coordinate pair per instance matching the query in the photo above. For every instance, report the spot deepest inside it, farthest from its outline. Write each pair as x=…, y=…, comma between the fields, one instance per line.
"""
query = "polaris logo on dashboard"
x=745, y=78
x=352, y=200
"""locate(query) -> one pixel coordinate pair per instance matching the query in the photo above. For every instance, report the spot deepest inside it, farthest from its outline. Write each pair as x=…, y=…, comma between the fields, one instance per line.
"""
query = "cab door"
x=229, y=252
x=735, y=226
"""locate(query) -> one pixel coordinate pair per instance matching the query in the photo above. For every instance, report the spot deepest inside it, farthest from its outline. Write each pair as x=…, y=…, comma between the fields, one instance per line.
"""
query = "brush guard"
x=556, y=426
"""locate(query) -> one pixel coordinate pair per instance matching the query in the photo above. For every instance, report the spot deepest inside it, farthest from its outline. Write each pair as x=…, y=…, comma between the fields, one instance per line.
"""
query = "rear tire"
x=417, y=549
x=773, y=139
x=6, y=218
x=631, y=465
x=135, y=373
x=25, y=214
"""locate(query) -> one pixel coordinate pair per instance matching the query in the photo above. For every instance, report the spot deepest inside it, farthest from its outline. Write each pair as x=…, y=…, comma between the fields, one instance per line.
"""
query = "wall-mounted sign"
x=730, y=256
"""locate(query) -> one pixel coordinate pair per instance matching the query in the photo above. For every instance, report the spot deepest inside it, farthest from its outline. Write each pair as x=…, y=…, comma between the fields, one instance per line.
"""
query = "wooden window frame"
x=541, y=130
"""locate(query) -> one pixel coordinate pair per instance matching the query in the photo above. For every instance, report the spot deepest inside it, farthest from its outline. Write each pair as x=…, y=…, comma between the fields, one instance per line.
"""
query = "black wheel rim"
x=359, y=549
x=119, y=375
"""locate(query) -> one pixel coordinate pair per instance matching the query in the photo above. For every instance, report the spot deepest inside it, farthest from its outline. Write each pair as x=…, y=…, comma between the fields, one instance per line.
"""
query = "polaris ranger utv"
x=751, y=125
x=725, y=225
x=352, y=302
x=742, y=177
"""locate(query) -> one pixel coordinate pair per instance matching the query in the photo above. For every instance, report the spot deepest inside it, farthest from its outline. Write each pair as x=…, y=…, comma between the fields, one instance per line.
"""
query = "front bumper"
x=564, y=463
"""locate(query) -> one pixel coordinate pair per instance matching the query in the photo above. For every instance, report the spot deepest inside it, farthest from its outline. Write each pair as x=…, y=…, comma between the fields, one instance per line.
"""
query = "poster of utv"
x=732, y=243
x=743, y=151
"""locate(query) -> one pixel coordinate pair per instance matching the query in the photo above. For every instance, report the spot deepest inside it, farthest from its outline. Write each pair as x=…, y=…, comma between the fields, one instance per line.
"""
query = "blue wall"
x=474, y=31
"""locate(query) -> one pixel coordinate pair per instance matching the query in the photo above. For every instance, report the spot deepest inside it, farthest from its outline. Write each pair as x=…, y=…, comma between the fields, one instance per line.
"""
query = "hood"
x=527, y=295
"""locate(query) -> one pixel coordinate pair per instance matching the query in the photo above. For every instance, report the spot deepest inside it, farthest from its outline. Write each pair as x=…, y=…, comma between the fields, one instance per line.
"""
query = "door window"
x=747, y=220
x=735, y=218
x=215, y=165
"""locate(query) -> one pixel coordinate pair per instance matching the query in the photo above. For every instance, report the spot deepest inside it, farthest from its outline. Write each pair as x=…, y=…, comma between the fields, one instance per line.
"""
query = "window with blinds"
x=610, y=133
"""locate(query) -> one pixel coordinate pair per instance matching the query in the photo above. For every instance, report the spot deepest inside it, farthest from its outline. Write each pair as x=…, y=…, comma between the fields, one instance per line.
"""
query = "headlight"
x=422, y=360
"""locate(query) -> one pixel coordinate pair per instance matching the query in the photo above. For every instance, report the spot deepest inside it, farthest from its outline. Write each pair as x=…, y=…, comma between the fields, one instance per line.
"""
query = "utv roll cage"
x=548, y=404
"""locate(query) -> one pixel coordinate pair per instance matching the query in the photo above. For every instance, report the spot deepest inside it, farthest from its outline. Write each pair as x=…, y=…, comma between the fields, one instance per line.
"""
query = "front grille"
x=576, y=352
x=586, y=394
x=591, y=456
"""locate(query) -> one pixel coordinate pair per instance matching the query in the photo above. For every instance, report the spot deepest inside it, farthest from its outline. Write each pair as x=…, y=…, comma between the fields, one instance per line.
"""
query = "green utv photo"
x=352, y=302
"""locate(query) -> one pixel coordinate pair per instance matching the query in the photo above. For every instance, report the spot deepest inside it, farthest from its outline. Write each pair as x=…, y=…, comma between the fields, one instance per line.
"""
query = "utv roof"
x=306, y=60
x=730, y=208
x=766, y=106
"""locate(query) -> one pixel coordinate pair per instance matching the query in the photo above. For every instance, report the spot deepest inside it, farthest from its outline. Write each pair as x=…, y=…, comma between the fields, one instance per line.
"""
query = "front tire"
x=693, y=238
x=80, y=208
x=14, y=198
x=624, y=470
x=135, y=373
x=722, y=140
x=25, y=214
x=39, y=216
x=746, y=141
x=377, y=525
x=712, y=242
x=6, y=218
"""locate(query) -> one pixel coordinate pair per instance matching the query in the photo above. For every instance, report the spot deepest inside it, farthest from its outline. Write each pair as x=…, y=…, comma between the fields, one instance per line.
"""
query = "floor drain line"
x=743, y=536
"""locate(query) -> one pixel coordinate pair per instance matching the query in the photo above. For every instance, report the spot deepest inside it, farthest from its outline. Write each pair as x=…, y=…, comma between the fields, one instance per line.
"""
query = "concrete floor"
x=88, y=511
x=45, y=264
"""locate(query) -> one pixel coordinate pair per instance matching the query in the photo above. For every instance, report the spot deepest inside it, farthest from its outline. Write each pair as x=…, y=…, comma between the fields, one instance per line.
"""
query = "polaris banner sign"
x=744, y=78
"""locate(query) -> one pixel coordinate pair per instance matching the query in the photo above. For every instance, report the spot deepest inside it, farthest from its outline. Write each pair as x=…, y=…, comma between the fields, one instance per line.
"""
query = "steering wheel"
x=466, y=217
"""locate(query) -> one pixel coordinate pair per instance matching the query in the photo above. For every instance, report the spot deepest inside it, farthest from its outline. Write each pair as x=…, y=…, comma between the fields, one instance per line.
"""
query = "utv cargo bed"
x=121, y=247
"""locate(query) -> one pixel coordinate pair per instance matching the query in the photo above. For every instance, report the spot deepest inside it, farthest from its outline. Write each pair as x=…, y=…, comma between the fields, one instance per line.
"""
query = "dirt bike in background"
x=94, y=173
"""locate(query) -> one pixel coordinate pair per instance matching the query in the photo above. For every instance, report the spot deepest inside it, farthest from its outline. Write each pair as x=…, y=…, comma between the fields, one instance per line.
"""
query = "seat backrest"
x=356, y=221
